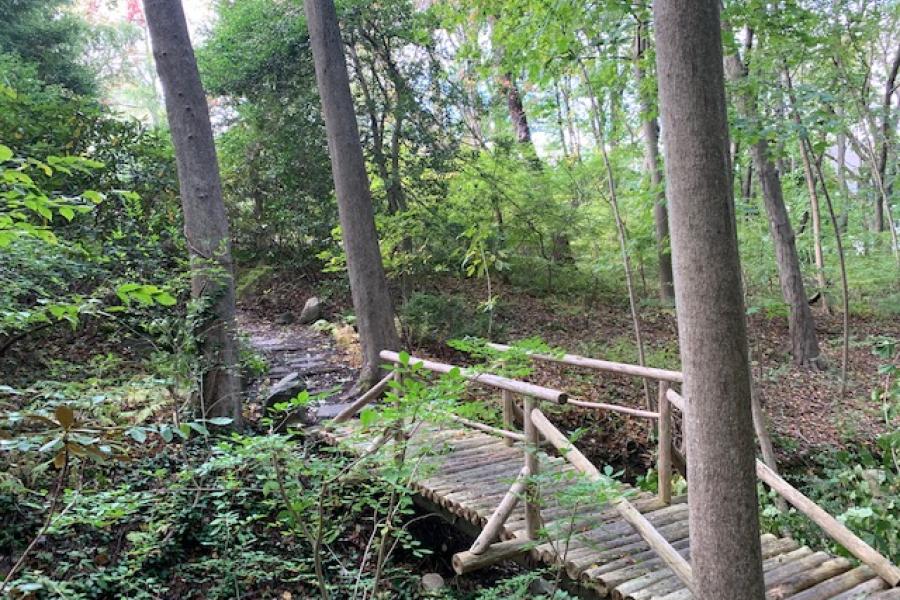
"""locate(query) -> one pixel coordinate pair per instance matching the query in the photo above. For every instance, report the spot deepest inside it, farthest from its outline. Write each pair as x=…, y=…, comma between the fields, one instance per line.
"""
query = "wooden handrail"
x=363, y=400
x=636, y=412
x=604, y=365
x=834, y=528
x=675, y=398
x=496, y=381
x=510, y=436
x=654, y=539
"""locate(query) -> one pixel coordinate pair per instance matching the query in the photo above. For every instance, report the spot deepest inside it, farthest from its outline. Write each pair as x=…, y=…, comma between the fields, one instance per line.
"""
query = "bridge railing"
x=662, y=377
x=486, y=550
x=535, y=426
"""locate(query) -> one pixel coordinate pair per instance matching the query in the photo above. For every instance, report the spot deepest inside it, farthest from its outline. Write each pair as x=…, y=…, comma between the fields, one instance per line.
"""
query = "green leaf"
x=67, y=212
x=5, y=153
x=165, y=299
x=138, y=434
x=368, y=416
x=93, y=196
x=219, y=421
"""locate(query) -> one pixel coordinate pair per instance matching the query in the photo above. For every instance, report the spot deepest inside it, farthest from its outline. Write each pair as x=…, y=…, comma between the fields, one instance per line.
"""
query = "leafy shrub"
x=432, y=320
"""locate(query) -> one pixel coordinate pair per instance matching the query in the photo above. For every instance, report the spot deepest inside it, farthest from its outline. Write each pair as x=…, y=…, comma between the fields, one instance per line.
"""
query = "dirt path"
x=299, y=357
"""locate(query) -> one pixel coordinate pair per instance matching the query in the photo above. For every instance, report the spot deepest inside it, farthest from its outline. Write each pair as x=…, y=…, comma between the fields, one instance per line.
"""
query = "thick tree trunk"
x=725, y=549
x=516, y=109
x=650, y=133
x=802, y=330
x=368, y=286
x=205, y=221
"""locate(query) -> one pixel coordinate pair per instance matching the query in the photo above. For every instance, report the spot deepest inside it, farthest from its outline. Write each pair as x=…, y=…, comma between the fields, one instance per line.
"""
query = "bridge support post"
x=508, y=411
x=532, y=510
x=664, y=442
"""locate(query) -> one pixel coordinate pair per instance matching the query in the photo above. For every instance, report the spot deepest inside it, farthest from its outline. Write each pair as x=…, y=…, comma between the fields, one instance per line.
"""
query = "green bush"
x=432, y=320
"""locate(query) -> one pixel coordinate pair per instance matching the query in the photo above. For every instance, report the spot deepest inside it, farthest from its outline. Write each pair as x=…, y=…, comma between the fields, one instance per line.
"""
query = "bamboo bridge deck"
x=637, y=548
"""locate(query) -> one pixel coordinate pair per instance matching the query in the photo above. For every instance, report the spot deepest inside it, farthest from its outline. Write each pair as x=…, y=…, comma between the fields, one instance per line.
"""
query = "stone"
x=432, y=582
x=285, y=318
x=311, y=312
x=285, y=389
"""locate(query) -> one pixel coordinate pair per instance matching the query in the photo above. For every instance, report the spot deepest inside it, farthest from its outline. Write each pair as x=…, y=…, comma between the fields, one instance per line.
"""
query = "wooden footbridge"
x=626, y=545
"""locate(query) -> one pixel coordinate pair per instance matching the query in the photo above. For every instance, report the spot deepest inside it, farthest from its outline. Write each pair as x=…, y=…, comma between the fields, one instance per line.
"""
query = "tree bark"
x=725, y=547
x=801, y=327
x=886, y=135
x=205, y=221
x=368, y=285
x=650, y=133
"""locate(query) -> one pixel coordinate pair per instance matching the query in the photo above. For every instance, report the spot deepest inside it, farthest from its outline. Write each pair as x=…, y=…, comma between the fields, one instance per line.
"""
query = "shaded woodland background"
x=515, y=166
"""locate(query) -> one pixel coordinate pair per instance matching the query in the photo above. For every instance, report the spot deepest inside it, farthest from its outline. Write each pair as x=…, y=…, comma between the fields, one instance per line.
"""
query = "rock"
x=285, y=318
x=311, y=312
x=286, y=388
x=432, y=582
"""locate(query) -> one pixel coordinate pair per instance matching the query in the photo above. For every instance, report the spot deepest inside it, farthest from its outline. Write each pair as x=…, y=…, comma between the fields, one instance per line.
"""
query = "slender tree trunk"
x=570, y=122
x=814, y=205
x=845, y=287
x=368, y=286
x=886, y=138
x=205, y=221
x=725, y=548
x=804, y=343
x=559, y=122
x=841, y=168
x=650, y=132
x=597, y=127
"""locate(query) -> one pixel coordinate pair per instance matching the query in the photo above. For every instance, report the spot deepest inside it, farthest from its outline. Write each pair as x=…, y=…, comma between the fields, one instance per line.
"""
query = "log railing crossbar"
x=486, y=549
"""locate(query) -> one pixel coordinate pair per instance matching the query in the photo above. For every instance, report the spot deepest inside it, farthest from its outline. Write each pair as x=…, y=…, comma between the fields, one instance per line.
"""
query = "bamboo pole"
x=508, y=411
x=466, y=562
x=532, y=511
x=509, y=436
x=834, y=528
x=654, y=539
x=496, y=381
x=494, y=524
x=664, y=445
x=675, y=399
x=604, y=365
x=373, y=393
x=615, y=408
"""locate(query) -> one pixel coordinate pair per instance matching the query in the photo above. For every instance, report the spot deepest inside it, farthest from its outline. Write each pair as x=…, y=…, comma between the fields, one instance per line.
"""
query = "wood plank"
x=863, y=590
x=837, y=584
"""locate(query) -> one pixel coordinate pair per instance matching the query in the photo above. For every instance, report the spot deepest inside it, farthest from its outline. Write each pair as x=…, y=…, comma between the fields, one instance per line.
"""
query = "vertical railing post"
x=664, y=454
x=400, y=433
x=507, y=414
x=532, y=510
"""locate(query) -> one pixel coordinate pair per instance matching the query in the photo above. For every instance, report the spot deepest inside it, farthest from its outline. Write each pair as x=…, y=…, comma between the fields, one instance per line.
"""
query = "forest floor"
x=807, y=415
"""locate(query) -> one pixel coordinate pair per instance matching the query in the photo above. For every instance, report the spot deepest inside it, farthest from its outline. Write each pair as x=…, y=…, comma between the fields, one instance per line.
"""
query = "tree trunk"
x=725, y=549
x=814, y=205
x=205, y=221
x=887, y=130
x=802, y=330
x=368, y=286
x=516, y=109
x=650, y=132
x=597, y=127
